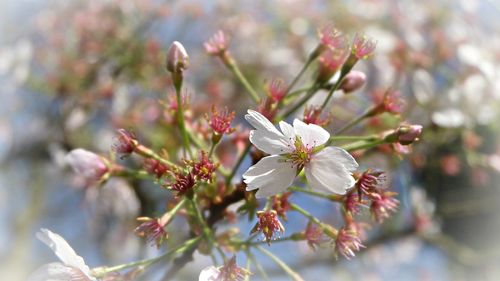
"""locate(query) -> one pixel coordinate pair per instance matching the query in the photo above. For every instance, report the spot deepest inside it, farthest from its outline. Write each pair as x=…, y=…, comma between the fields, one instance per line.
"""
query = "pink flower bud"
x=177, y=58
x=408, y=134
x=217, y=44
x=269, y=224
x=88, y=164
x=353, y=81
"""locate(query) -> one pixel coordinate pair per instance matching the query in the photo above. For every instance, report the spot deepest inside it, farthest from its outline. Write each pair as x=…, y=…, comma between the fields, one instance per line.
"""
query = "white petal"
x=265, y=136
x=311, y=134
x=269, y=142
x=63, y=250
x=85, y=162
x=288, y=131
x=260, y=122
x=340, y=155
x=271, y=175
x=209, y=273
x=329, y=170
x=58, y=272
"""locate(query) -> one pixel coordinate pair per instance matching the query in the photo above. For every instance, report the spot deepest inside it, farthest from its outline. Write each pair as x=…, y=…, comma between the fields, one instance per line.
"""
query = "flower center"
x=301, y=155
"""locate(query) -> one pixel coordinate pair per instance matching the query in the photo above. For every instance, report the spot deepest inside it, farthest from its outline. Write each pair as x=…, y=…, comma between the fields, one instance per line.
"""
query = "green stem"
x=353, y=138
x=238, y=163
x=181, y=121
x=258, y=265
x=231, y=64
x=332, y=197
x=171, y=213
x=212, y=148
x=356, y=120
x=362, y=145
x=332, y=90
x=102, y=271
x=310, y=59
x=309, y=95
x=326, y=229
x=294, y=275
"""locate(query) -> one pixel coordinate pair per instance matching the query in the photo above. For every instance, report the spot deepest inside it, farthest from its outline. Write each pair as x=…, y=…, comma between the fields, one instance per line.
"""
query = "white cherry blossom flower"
x=87, y=164
x=293, y=149
x=71, y=268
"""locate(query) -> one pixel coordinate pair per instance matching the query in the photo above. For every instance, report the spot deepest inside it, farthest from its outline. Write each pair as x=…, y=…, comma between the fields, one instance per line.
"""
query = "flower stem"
x=332, y=197
x=309, y=95
x=326, y=228
x=171, y=213
x=310, y=59
x=181, y=121
x=259, y=267
x=332, y=90
x=294, y=275
x=102, y=271
x=362, y=145
x=353, y=138
x=231, y=64
x=356, y=120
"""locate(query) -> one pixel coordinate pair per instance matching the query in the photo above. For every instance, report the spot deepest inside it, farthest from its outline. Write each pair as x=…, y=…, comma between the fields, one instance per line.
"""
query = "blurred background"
x=72, y=72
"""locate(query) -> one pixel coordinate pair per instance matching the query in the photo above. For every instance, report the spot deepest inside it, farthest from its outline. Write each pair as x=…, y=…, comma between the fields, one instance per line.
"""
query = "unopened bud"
x=353, y=81
x=177, y=58
x=409, y=133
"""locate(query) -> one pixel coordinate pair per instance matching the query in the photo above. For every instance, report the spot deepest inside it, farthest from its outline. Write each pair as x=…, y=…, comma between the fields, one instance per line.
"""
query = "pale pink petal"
x=260, y=122
x=288, y=131
x=311, y=135
x=329, y=171
x=58, y=272
x=270, y=143
x=271, y=175
x=63, y=250
x=209, y=273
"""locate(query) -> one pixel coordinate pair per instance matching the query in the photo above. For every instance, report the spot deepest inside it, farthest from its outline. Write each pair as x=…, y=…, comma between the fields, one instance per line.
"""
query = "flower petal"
x=312, y=135
x=270, y=143
x=260, y=122
x=265, y=136
x=210, y=273
x=271, y=175
x=63, y=250
x=288, y=131
x=58, y=272
x=330, y=170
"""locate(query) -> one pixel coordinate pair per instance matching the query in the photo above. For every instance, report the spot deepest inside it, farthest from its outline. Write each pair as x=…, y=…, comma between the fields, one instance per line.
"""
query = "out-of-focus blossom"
x=353, y=81
x=153, y=230
x=382, y=205
x=228, y=272
x=312, y=115
x=389, y=102
x=217, y=44
x=88, y=164
x=155, y=167
x=494, y=162
x=71, y=267
x=314, y=235
x=281, y=204
x=177, y=58
x=269, y=224
x=363, y=46
x=449, y=118
x=450, y=165
x=276, y=90
x=329, y=169
x=347, y=242
x=352, y=203
x=330, y=61
x=331, y=38
x=125, y=142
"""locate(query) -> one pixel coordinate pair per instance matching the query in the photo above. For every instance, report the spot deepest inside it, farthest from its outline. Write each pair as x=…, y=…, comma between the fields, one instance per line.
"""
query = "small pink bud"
x=217, y=44
x=276, y=90
x=177, y=58
x=330, y=61
x=88, y=164
x=409, y=134
x=353, y=81
x=330, y=37
x=347, y=242
x=153, y=230
x=382, y=205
